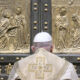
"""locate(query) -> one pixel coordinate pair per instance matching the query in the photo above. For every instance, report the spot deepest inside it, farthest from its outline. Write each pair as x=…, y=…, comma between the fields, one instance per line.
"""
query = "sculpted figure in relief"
x=12, y=27
x=75, y=31
x=8, y=31
x=12, y=34
x=20, y=23
x=61, y=28
x=4, y=26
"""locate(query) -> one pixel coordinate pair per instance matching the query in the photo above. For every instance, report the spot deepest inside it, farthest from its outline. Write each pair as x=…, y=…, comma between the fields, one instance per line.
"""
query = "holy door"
x=20, y=20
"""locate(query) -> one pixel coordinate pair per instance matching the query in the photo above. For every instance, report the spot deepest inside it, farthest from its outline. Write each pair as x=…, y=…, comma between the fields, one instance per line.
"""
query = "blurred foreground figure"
x=43, y=65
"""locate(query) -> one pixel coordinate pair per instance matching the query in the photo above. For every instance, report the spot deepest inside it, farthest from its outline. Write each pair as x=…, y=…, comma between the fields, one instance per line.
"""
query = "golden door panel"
x=66, y=25
x=14, y=26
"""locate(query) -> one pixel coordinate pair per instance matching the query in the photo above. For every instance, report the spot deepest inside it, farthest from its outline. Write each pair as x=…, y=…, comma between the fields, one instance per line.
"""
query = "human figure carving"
x=4, y=26
x=61, y=27
x=76, y=31
x=20, y=23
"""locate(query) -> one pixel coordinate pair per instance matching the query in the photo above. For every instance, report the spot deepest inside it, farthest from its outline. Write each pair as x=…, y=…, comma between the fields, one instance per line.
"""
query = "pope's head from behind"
x=42, y=40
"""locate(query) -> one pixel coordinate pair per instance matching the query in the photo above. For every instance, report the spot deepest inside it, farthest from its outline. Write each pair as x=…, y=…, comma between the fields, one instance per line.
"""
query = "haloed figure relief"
x=61, y=26
x=14, y=26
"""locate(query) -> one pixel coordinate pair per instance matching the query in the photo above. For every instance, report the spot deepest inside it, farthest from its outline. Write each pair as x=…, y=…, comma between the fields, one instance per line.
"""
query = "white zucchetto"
x=42, y=37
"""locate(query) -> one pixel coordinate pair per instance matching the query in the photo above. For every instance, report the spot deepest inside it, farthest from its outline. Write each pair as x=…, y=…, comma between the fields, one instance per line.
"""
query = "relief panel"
x=14, y=26
x=66, y=25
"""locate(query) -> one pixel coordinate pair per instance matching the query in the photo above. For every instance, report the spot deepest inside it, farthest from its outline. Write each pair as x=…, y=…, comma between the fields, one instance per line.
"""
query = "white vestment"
x=43, y=65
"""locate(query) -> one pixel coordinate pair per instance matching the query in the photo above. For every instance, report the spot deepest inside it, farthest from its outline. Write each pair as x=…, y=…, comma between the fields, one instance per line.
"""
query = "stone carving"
x=14, y=26
x=61, y=28
x=8, y=68
x=12, y=34
x=4, y=26
x=66, y=25
x=76, y=31
x=20, y=24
